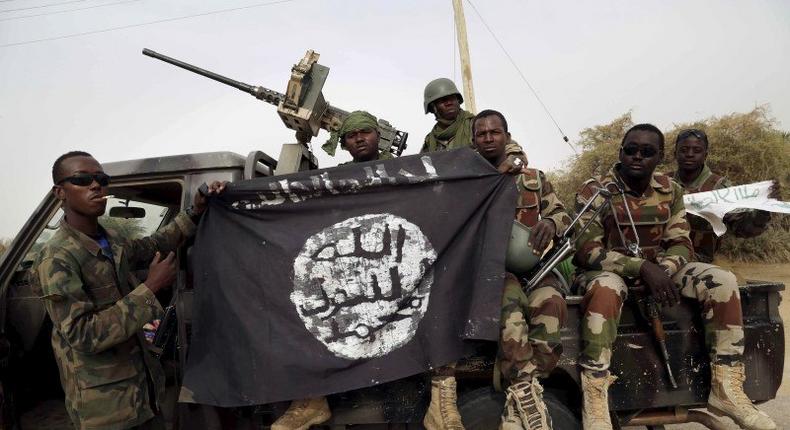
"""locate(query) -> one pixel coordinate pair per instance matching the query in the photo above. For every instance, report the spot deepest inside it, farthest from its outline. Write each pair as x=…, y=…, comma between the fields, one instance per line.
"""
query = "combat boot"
x=595, y=407
x=443, y=411
x=302, y=414
x=727, y=398
x=524, y=407
x=510, y=418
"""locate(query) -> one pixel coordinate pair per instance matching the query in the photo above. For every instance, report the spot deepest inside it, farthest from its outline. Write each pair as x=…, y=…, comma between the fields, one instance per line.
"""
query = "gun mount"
x=303, y=107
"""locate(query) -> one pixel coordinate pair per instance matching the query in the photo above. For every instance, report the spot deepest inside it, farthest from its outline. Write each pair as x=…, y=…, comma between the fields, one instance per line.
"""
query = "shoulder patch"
x=529, y=179
x=713, y=182
x=588, y=188
x=594, y=181
x=663, y=182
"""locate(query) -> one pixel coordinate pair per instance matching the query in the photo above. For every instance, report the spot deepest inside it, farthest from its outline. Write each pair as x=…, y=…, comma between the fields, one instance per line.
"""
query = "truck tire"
x=481, y=409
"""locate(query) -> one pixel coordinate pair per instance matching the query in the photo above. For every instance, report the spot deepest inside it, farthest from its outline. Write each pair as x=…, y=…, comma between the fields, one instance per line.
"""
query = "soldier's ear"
x=59, y=192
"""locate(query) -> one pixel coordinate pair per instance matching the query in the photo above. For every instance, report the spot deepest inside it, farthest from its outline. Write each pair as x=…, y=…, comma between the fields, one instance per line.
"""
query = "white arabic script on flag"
x=713, y=205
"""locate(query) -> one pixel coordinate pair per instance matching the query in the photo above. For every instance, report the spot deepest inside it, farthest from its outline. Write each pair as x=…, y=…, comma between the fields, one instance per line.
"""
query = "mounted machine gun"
x=302, y=109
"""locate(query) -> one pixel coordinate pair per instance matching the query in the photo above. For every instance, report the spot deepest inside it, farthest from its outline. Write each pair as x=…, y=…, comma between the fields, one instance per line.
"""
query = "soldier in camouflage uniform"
x=453, y=127
x=645, y=239
x=359, y=135
x=530, y=344
x=691, y=151
x=98, y=308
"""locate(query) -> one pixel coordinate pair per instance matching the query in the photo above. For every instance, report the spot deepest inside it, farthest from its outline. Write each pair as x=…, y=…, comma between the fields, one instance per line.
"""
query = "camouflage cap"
x=356, y=120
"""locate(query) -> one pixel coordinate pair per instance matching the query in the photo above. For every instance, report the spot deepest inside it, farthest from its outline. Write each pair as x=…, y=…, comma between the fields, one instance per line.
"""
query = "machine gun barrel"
x=265, y=94
x=304, y=108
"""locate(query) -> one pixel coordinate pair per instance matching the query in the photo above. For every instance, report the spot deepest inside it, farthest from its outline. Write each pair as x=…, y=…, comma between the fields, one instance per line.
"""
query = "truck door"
x=31, y=393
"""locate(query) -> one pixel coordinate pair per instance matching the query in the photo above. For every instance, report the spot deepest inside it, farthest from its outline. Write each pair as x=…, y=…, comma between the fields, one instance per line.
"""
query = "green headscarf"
x=459, y=131
x=356, y=120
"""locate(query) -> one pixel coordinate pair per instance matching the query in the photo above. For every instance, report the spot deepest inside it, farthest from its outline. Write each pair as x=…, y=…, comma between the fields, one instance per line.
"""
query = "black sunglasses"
x=692, y=132
x=85, y=179
x=646, y=151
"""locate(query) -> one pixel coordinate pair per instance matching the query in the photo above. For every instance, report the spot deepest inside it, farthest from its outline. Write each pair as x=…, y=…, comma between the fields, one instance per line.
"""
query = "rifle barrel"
x=654, y=314
x=663, y=346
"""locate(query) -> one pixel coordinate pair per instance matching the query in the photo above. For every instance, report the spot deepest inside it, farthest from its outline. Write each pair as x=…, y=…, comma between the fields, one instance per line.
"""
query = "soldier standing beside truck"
x=694, y=175
x=530, y=343
x=96, y=305
x=453, y=127
x=645, y=239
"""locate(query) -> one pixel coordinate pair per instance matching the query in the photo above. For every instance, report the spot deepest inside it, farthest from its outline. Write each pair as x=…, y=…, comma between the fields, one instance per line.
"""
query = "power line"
x=41, y=6
x=523, y=78
x=66, y=11
x=159, y=21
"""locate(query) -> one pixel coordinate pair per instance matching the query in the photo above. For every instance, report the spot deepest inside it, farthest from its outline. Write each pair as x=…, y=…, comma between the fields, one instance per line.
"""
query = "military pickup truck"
x=149, y=192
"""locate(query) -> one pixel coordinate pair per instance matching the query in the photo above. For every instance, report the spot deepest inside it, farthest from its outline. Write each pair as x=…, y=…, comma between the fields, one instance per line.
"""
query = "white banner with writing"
x=713, y=205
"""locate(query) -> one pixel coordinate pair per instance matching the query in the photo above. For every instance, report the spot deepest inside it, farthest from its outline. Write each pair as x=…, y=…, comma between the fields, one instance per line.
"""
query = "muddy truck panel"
x=643, y=380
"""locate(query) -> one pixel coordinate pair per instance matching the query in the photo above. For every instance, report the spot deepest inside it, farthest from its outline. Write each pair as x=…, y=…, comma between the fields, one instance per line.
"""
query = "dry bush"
x=745, y=147
x=4, y=243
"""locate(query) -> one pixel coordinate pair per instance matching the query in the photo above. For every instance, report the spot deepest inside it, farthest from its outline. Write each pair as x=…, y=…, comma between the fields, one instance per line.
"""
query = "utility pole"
x=463, y=49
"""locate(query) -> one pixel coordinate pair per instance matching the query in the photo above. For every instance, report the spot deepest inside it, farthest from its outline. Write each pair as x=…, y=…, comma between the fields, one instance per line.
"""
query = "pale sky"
x=667, y=61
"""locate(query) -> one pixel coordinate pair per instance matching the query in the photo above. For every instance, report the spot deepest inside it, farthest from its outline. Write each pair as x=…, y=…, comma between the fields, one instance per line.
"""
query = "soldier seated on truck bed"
x=98, y=308
x=648, y=211
x=694, y=175
x=530, y=343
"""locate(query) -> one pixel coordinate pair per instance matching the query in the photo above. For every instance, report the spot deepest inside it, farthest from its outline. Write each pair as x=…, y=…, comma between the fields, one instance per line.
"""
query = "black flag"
x=330, y=280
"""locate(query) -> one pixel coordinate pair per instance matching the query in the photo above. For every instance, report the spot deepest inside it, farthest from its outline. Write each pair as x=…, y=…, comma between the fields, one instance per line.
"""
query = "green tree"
x=599, y=148
x=745, y=147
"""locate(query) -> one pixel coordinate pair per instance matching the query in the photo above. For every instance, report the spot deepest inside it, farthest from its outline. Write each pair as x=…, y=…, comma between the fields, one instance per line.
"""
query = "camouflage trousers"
x=529, y=340
x=714, y=288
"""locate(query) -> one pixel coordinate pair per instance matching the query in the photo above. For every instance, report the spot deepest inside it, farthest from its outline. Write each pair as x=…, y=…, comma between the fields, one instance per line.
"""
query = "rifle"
x=563, y=247
x=165, y=332
x=651, y=311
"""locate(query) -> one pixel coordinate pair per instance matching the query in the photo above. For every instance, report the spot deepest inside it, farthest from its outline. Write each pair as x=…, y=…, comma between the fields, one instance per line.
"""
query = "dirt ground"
x=779, y=408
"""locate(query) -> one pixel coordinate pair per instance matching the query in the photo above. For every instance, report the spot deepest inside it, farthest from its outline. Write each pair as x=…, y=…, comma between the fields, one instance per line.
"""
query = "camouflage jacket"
x=537, y=199
x=659, y=217
x=511, y=148
x=98, y=309
x=705, y=241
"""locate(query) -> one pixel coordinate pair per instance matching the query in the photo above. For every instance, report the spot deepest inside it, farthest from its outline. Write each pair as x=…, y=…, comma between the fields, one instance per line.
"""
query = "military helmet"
x=520, y=257
x=437, y=89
